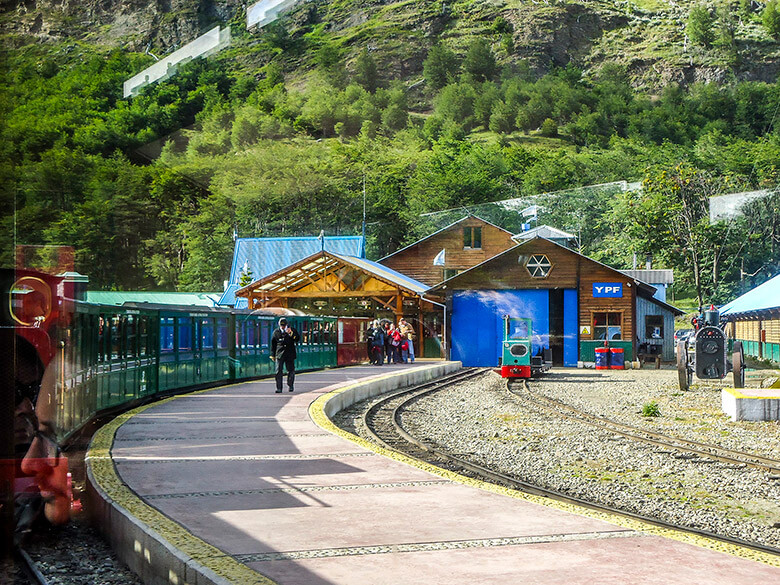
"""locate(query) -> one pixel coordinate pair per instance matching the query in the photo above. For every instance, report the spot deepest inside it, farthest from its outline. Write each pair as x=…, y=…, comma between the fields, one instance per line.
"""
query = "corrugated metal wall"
x=645, y=308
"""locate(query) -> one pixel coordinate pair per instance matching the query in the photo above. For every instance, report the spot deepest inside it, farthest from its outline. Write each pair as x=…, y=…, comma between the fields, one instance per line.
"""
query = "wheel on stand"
x=738, y=365
x=684, y=373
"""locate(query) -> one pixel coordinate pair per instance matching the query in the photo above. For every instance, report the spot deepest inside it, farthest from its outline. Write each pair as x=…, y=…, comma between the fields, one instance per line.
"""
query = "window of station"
x=450, y=272
x=472, y=237
x=654, y=326
x=607, y=326
x=538, y=266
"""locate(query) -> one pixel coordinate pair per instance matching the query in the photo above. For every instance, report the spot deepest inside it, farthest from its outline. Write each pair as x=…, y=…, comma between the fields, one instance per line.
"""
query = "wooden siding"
x=644, y=307
x=417, y=260
x=751, y=330
x=591, y=272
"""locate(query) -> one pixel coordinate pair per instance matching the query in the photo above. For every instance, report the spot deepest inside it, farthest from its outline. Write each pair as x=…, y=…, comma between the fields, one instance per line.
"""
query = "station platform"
x=240, y=485
x=754, y=404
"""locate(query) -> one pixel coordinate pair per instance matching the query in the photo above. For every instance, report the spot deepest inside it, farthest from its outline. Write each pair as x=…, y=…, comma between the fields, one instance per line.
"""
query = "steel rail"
x=29, y=567
x=710, y=451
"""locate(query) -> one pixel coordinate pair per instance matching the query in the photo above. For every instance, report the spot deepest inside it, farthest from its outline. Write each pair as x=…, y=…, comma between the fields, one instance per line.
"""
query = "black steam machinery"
x=706, y=353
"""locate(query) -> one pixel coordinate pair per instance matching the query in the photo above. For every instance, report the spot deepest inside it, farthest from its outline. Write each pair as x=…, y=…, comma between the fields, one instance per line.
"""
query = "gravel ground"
x=482, y=420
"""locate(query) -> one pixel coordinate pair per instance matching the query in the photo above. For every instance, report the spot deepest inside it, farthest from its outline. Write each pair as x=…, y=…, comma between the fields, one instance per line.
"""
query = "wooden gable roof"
x=508, y=270
x=416, y=260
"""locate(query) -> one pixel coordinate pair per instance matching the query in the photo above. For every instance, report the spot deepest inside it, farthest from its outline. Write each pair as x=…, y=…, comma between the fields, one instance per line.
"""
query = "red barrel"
x=602, y=358
x=616, y=358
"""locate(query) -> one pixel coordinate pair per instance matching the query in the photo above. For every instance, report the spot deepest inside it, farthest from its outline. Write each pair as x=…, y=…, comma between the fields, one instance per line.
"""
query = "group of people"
x=388, y=343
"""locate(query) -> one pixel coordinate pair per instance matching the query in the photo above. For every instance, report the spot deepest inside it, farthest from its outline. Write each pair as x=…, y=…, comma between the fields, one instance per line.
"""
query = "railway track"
x=29, y=567
x=383, y=423
x=693, y=449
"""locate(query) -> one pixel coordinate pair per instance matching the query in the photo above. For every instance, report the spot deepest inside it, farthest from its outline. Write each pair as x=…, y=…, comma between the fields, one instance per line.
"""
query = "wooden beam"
x=315, y=283
x=386, y=305
x=329, y=294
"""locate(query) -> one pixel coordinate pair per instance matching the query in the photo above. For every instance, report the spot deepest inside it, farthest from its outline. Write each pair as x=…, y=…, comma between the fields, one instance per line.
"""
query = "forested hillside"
x=429, y=105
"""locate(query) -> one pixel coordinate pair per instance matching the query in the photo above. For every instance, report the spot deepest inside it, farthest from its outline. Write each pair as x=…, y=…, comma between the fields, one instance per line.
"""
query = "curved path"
x=241, y=485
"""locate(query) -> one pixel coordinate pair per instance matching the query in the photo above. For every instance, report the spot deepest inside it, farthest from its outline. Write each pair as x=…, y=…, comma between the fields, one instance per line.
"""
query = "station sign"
x=607, y=290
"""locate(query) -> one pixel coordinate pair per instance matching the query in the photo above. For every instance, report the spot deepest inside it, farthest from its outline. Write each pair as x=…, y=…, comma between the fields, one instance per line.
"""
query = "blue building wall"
x=477, y=321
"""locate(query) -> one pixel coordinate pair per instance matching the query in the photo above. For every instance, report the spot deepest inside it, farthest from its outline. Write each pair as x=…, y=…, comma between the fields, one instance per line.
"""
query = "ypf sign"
x=603, y=290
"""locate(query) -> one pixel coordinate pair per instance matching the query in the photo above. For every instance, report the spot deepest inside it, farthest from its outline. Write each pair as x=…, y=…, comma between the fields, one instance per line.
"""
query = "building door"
x=477, y=322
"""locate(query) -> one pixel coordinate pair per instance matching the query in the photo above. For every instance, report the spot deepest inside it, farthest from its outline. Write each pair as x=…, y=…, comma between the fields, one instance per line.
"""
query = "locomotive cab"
x=516, y=348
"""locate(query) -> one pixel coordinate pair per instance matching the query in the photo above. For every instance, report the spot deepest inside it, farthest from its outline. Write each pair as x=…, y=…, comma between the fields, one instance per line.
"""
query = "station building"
x=575, y=303
x=754, y=319
x=456, y=285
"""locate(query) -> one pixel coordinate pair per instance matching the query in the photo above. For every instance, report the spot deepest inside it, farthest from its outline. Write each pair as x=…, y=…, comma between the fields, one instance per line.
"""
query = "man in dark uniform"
x=283, y=352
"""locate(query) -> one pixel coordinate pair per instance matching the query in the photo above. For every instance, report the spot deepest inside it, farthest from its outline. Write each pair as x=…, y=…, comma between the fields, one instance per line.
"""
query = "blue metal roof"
x=761, y=298
x=264, y=256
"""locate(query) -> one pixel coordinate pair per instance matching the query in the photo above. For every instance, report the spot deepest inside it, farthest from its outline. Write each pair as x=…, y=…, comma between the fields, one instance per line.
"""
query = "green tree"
x=770, y=18
x=440, y=67
x=365, y=71
x=700, y=27
x=480, y=64
x=726, y=27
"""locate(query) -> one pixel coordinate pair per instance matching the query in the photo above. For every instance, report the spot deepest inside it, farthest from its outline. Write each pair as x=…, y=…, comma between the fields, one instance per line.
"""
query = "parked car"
x=682, y=335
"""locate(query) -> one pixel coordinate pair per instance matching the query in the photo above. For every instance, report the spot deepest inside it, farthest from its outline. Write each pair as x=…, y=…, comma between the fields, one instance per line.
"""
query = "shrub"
x=651, y=409
x=549, y=128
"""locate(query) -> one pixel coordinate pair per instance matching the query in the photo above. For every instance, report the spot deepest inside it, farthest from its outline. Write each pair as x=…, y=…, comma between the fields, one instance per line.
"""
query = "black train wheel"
x=738, y=365
x=684, y=374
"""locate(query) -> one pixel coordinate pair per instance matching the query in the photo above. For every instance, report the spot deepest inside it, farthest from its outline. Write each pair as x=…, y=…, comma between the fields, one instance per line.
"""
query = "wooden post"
x=419, y=349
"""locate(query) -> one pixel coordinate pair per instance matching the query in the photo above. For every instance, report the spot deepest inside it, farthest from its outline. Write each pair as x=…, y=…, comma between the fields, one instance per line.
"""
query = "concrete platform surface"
x=242, y=485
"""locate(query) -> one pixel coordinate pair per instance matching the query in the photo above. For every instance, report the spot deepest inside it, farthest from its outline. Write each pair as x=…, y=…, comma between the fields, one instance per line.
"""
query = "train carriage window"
x=185, y=333
x=222, y=333
x=265, y=333
x=517, y=329
x=116, y=336
x=207, y=334
x=103, y=337
x=142, y=336
x=251, y=334
x=304, y=332
x=130, y=336
x=166, y=334
x=607, y=326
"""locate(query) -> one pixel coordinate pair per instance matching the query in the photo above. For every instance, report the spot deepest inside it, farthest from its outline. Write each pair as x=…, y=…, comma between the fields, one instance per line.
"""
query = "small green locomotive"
x=517, y=359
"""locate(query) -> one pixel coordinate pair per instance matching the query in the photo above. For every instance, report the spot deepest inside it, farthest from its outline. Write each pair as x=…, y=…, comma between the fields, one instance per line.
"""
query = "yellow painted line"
x=99, y=459
x=317, y=413
x=737, y=394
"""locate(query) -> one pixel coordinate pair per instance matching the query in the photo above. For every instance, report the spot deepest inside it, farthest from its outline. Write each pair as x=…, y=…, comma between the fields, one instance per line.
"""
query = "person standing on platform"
x=283, y=352
x=407, y=332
